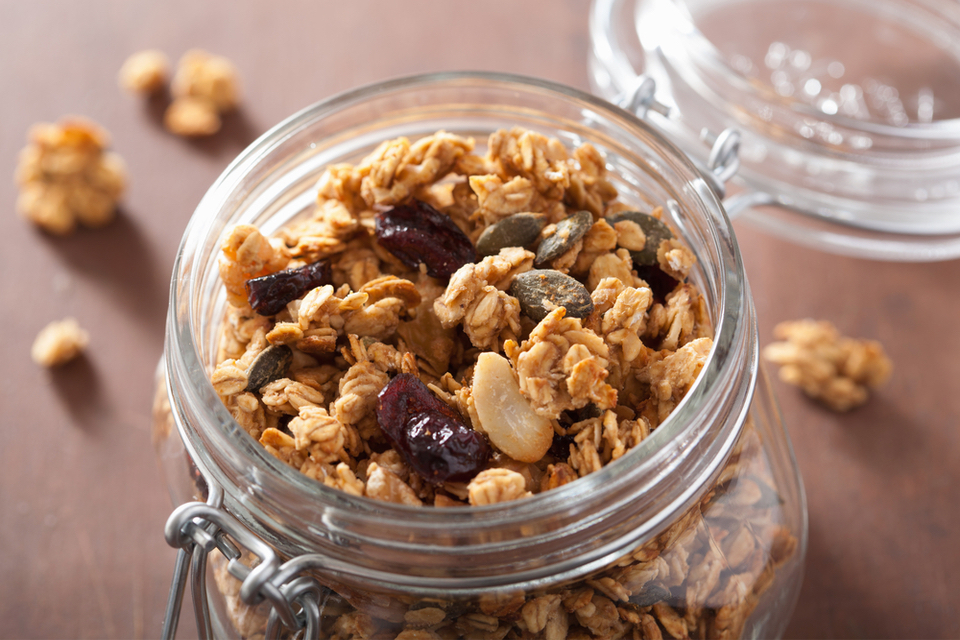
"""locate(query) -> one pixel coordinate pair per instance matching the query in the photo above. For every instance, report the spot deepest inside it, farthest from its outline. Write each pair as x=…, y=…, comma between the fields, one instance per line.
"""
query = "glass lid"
x=848, y=111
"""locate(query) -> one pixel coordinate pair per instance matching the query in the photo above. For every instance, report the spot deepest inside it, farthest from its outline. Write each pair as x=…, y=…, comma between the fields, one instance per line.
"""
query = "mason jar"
x=699, y=531
x=848, y=111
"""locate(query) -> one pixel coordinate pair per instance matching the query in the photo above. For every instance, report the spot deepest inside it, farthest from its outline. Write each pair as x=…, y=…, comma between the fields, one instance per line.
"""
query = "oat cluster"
x=67, y=177
x=831, y=368
x=58, y=343
x=145, y=72
x=204, y=87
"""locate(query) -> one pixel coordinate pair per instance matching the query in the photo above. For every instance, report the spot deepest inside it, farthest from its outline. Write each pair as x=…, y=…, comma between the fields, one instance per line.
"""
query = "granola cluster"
x=836, y=370
x=554, y=347
x=67, y=176
x=204, y=87
x=145, y=72
x=59, y=342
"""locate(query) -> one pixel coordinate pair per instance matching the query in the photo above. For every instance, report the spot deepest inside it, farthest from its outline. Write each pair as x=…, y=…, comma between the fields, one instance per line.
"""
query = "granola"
x=204, y=87
x=67, y=176
x=145, y=72
x=58, y=343
x=557, y=394
x=836, y=370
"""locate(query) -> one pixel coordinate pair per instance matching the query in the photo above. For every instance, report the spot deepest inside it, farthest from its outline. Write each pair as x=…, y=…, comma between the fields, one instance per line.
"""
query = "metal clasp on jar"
x=724, y=158
x=196, y=529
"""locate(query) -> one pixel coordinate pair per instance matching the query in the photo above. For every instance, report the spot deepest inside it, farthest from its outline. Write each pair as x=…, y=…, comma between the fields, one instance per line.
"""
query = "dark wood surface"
x=82, y=503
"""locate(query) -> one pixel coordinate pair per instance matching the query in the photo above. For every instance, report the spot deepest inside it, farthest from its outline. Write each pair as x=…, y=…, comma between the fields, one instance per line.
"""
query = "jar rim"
x=735, y=333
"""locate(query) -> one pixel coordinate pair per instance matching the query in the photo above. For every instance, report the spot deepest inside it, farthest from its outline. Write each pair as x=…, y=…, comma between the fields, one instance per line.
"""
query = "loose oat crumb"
x=145, y=72
x=66, y=176
x=829, y=367
x=58, y=343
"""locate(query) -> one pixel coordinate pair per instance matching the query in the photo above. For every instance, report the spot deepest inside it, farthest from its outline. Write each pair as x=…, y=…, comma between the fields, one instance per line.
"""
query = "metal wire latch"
x=724, y=158
x=196, y=529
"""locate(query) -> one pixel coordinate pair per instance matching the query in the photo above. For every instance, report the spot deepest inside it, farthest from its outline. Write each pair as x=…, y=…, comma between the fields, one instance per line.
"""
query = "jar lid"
x=848, y=111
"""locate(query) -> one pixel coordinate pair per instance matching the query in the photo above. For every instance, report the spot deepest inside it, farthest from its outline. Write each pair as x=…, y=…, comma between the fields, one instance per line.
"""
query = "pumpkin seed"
x=655, y=230
x=518, y=230
x=568, y=233
x=540, y=291
x=269, y=365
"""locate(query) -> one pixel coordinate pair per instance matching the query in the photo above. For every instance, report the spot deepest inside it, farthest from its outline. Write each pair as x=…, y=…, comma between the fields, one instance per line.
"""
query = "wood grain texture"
x=82, y=499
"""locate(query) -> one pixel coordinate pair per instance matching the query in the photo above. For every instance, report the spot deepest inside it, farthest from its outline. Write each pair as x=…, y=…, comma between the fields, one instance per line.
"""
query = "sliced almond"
x=506, y=416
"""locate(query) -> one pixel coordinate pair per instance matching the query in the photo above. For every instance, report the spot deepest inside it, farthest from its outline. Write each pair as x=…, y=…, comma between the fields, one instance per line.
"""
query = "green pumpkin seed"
x=540, y=291
x=518, y=230
x=568, y=233
x=655, y=230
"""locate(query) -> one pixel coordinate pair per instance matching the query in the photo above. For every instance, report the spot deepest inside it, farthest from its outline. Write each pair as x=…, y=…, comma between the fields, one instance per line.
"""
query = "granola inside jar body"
x=699, y=531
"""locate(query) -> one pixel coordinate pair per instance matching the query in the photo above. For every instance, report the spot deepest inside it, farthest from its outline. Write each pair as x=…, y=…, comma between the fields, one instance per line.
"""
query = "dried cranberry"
x=417, y=233
x=661, y=283
x=432, y=438
x=269, y=294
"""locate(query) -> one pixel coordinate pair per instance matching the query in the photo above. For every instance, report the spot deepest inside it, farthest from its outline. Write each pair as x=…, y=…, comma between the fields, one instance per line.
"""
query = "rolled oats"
x=829, y=367
x=557, y=398
x=67, y=177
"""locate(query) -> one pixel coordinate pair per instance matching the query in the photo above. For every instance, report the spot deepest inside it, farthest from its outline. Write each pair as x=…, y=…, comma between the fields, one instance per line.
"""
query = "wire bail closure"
x=723, y=161
x=196, y=529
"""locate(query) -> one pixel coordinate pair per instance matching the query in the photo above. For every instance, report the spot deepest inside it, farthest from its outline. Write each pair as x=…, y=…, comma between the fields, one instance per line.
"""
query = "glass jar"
x=701, y=529
x=848, y=111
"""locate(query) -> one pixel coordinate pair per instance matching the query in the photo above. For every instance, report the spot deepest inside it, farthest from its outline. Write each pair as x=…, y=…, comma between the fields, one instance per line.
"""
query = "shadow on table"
x=122, y=260
x=79, y=387
x=235, y=134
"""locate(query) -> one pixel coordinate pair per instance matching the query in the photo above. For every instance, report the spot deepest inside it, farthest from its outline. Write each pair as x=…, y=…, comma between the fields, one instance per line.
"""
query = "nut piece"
x=145, y=72
x=58, y=343
x=507, y=418
x=65, y=176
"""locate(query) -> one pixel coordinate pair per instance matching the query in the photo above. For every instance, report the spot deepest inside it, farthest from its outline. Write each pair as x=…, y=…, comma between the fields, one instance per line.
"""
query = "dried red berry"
x=417, y=232
x=432, y=438
x=269, y=294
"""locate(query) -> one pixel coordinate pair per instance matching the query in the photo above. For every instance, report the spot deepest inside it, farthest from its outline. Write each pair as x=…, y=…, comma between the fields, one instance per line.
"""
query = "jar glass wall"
x=701, y=527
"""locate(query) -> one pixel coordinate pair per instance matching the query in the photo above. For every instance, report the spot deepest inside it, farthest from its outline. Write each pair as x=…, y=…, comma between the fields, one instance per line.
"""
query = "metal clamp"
x=196, y=529
x=723, y=160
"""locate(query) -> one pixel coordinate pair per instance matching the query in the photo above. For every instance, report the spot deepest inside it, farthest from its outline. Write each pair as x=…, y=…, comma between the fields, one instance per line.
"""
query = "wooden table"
x=82, y=501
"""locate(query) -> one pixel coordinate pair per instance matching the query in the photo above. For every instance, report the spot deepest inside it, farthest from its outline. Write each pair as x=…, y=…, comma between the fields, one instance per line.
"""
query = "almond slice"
x=505, y=415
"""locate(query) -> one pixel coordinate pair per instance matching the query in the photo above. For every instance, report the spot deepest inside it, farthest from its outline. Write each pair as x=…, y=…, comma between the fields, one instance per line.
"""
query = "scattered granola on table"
x=204, y=87
x=66, y=176
x=381, y=348
x=145, y=72
x=59, y=342
x=836, y=370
